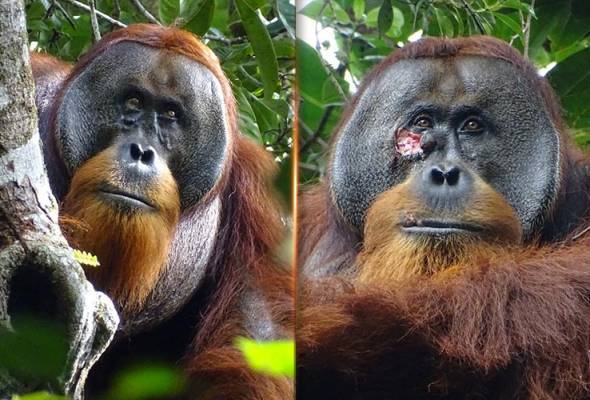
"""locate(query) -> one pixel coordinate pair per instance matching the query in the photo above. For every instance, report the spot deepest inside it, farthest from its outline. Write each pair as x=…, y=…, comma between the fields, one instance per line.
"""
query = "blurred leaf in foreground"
x=273, y=357
x=148, y=382
x=39, y=396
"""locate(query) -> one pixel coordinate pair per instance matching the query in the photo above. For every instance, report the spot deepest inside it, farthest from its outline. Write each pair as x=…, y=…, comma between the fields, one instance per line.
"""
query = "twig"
x=49, y=11
x=98, y=13
x=65, y=14
x=94, y=21
x=227, y=41
x=318, y=46
x=474, y=17
x=527, y=31
x=319, y=130
x=145, y=12
x=117, y=10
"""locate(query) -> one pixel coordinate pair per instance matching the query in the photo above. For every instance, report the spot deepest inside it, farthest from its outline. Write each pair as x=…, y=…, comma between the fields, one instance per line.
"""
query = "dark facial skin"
x=477, y=113
x=157, y=110
x=161, y=109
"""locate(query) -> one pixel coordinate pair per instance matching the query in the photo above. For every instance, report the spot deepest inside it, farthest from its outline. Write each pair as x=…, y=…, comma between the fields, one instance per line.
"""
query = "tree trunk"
x=38, y=275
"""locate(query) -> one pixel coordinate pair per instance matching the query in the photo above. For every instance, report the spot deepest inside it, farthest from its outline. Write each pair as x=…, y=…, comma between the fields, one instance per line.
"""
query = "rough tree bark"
x=37, y=272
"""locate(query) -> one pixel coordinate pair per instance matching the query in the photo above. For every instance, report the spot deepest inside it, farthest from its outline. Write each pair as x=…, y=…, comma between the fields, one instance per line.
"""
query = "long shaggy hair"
x=515, y=323
x=131, y=246
x=242, y=260
x=494, y=319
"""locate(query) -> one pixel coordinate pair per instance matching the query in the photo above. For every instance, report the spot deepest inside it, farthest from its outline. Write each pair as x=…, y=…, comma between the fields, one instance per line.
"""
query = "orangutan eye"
x=472, y=125
x=133, y=103
x=423, y=121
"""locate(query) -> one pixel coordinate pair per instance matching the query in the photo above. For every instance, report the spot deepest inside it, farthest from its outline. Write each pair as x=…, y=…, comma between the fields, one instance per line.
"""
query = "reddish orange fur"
x=510, y=323
x=254, y=233
x=44, y=65
x=456, y=333
x=131, y=247
x=250, y=231
x=389, y=255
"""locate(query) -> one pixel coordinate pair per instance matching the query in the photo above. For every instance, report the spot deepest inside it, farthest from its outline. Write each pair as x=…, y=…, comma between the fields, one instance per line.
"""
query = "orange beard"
x=131, y=246
x=390, y=255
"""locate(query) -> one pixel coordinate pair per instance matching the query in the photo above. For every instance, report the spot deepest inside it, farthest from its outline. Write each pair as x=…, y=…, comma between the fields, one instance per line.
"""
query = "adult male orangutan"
x=446, y=255
x=142, y=148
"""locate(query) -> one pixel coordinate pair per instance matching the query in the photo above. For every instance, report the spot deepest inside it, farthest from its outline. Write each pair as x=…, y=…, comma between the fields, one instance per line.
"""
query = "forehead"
x=158, y=70
x=473, y=80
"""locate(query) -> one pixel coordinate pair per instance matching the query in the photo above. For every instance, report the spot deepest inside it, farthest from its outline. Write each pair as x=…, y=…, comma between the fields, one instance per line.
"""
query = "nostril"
x=135, y=151
x=129, y=122
x=148, y=156
x=452, y=176
x=437, y=176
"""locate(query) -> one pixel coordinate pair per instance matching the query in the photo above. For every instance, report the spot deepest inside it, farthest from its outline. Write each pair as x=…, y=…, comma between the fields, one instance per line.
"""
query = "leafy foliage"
x=254, y=40
x=272, y=357
x=366, y=31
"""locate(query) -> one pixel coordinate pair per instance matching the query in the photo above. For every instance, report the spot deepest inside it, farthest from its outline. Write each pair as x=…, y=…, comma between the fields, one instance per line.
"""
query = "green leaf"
x=397, y=23
x=313, y=9
x=262, y=45
x=273, y=358
x=358, y=7
x=149, y=381
x=286, y=12
x=314, y=83
x=188, y=8
x=169, y=10
x=201, y=21
x=280, y=107
x=385, y=18
x=340, y=13
x=284, y=48
x=510, y=23
x=85, y=258
x=550, y=15
x=571, y=81
x=256, y=4
x=31, y=356
x=247, y=118
x=38, y=396
x=265, y=116
x=445, y=25
x=332, y=10
x=515, y=4
x=577, y=26
x=570, y=50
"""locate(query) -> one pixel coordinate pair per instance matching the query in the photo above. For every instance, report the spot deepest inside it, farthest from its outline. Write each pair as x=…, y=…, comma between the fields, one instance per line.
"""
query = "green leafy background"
x=254, y=40
x=366, y=31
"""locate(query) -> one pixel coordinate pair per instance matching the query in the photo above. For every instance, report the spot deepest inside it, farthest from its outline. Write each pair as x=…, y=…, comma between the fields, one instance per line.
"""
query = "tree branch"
x=32, y=247
x=98, y=13
x=474, y=17
x=226, y=41
x=527, y=31
x=94, y=22
x=318, y=132
x=143, y=11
